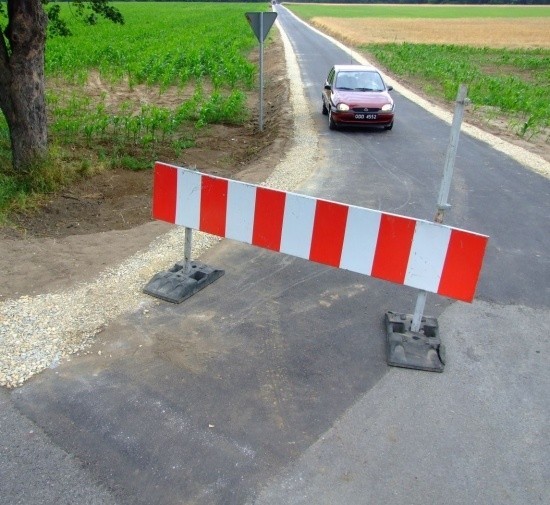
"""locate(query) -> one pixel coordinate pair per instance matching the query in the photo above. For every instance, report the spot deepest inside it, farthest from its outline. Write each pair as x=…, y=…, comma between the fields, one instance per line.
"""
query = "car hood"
x=361, y=98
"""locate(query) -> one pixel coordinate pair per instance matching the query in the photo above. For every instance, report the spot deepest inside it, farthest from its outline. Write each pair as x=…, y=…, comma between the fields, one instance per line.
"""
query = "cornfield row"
x=512, y=81
x=122, y=95
x=199, y=47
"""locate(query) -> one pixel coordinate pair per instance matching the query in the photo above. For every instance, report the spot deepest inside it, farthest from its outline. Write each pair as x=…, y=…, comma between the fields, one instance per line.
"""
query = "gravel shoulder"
x=42, y=327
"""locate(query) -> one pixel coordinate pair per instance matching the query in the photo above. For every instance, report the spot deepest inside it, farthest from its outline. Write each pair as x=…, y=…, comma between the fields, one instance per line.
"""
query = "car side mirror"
x=390, y=88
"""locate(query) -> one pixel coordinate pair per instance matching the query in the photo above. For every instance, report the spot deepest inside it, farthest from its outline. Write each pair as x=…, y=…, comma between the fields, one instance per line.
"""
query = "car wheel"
x=324, y=110
x=389, y=127
x=331, y=122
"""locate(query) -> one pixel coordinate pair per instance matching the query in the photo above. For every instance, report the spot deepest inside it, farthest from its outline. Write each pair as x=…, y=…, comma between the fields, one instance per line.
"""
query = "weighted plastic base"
x=420, y=350
x=176, y=285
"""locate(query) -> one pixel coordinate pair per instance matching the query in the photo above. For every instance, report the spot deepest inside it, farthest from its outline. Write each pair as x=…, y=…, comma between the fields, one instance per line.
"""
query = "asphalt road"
x=400, y=171
x=271, y=386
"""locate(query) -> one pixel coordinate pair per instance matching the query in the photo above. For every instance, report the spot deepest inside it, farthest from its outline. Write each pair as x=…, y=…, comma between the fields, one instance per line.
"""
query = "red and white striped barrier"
x=421, y=254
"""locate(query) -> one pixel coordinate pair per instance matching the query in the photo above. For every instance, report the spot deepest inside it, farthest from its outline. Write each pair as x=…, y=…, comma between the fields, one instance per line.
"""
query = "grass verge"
x=514, y=82
x=123, y=96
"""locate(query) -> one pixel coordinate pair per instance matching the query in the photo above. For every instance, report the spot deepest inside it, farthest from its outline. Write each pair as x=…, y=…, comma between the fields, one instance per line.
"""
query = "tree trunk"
x=22, y=90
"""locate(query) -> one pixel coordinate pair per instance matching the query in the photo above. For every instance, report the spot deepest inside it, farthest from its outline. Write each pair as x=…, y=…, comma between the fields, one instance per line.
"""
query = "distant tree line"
x=450, y=2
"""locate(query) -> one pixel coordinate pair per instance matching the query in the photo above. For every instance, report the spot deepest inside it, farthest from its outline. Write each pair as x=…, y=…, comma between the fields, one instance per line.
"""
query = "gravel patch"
x=37, y=332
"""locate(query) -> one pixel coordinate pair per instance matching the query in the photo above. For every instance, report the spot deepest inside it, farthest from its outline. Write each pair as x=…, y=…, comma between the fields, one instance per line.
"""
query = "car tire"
x=331, y=123
x=324, y=110
x=389, y=127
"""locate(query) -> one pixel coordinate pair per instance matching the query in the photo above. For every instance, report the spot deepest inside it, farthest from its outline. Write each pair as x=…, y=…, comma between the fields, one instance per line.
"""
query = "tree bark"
x=22, y=88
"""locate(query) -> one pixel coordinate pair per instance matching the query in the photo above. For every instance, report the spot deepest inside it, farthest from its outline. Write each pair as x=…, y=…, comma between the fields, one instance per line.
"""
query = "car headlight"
x=342, y=107
x=387, y=106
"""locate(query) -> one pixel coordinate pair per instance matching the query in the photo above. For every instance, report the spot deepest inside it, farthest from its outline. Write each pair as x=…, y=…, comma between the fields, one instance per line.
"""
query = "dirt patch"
x=99, y=221
x=121, y=199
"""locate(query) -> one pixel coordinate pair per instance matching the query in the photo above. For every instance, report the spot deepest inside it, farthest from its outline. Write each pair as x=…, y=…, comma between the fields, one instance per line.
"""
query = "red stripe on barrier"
x=329, y=228
x=462, y=265
x=268, y=218
x=393, y=248
x=213, y=205
x=165, y=192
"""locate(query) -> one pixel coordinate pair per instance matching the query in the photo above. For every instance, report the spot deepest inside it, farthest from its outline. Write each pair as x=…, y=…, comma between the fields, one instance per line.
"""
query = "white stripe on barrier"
x=427, y=257
x=241, y=200
x=188, y=202
x=297, y=225
x=360, y=240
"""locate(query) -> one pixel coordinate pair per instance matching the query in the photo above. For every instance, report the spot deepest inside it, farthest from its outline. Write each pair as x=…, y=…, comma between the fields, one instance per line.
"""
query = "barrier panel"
x=413, y=252
x=425, y=255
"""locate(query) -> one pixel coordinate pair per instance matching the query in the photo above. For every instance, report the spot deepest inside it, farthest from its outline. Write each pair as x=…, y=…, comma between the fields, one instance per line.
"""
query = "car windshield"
x=359, y=81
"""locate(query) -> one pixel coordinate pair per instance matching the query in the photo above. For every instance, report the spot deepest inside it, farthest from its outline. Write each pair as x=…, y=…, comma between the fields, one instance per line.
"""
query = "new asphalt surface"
x=271, y=387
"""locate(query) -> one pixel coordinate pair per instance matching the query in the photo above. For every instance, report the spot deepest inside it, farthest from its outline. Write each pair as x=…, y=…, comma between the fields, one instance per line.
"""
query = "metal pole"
x=442, y=204
x=188, y=245
x=262, y=72
x=418, y=311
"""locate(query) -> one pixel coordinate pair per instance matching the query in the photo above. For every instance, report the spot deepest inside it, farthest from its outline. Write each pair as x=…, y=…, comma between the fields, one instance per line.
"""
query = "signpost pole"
x=261, y=23
x=261, y=71
x=418, y=311
x=442, y=204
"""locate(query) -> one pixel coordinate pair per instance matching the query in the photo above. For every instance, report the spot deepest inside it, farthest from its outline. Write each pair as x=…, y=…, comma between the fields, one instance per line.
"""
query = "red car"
x=356, y=95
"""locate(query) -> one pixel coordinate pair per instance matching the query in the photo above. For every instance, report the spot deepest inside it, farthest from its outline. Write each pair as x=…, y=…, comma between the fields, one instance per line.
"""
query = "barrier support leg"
x=184, y=279
x=187, y=248
x=418, y=311
x=413, y=341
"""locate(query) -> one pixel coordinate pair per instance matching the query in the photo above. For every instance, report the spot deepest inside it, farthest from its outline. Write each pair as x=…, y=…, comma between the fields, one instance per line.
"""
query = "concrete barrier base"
x=420, y=350
x=176, y=284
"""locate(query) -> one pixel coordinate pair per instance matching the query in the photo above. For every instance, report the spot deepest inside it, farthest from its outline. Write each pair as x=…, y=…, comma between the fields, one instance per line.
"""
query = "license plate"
x=365, y=116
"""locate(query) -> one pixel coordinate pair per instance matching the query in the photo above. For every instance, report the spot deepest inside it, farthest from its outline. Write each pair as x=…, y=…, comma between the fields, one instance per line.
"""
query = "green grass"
x=164, y=46
x=12, y=195
x=418, y=11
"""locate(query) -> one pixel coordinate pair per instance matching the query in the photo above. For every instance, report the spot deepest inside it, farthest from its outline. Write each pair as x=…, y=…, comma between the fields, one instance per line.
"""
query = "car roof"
x=354, y=68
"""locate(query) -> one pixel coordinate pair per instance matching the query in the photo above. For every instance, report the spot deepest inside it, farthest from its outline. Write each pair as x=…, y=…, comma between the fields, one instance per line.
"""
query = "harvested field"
x=477, y=32
x=435, y=68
